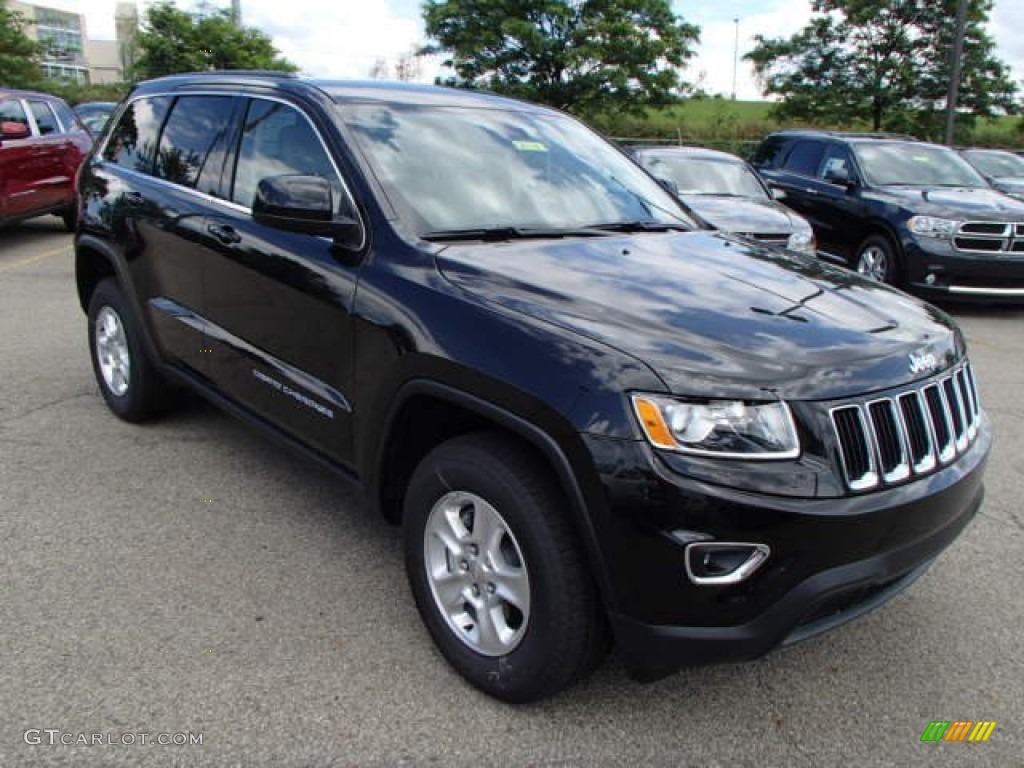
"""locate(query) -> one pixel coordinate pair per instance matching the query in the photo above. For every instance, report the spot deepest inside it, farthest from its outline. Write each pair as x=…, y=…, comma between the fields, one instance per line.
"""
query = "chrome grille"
x=890, y=439
x=989, y=237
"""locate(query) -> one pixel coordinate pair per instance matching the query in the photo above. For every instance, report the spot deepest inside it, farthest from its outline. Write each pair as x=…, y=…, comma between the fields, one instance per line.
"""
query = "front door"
x=279, y=303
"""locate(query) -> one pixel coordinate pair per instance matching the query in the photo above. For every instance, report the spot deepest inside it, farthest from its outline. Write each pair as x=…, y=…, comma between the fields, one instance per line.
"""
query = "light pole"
x=735, y=56
x=955, y=70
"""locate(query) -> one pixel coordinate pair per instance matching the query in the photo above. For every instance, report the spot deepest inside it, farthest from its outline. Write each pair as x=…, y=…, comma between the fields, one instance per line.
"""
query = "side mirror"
x=840, y=176
x=305, y=204
x=12, y=130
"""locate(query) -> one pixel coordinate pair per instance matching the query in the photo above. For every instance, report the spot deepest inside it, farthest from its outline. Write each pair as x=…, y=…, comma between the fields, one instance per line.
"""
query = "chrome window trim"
x=241, y=94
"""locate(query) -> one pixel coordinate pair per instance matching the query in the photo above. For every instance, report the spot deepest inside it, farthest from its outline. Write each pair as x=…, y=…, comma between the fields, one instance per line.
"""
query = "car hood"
x=955, y=202
x=744, y=214
x=713, y=315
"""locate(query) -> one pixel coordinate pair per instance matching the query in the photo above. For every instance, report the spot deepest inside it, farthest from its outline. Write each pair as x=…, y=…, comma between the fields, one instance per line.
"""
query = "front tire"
x=131, y=386
x=496, y=570
x=876, y=260
x=70, y=217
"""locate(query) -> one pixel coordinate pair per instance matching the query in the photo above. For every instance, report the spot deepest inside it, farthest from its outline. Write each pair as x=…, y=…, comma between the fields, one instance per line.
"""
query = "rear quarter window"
x=133, y=141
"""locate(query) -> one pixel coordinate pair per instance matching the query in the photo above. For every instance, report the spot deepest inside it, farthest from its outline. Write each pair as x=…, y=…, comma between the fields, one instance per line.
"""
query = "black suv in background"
x=594, y=421
x=1003, y=170
x=901, y=211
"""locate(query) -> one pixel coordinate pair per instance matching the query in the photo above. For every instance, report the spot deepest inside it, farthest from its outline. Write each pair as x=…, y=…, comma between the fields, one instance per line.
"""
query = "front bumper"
x=938, y=271
x=831, y=559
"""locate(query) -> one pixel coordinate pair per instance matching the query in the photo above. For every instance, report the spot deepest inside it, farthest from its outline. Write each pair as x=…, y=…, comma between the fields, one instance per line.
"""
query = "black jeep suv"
x=901, y=211
x=593, y=421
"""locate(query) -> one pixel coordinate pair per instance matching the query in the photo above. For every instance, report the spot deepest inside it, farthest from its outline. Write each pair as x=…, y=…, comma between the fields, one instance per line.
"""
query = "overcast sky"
x=343, y=38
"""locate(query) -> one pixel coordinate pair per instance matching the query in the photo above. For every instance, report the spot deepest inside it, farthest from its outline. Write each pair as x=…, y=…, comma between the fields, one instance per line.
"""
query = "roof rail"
x=268, y=73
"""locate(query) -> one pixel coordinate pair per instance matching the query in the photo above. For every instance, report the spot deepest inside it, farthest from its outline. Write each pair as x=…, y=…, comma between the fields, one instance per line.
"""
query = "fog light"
x=719, y=563
x=930, y=278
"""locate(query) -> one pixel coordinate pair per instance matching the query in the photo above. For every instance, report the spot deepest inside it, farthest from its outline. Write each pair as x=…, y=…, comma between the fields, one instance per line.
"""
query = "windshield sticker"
x=529, y=146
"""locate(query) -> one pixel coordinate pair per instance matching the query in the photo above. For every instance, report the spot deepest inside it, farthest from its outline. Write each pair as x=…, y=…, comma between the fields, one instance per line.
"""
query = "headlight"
x=802, y=240
x=929, y=226
x=728, y=429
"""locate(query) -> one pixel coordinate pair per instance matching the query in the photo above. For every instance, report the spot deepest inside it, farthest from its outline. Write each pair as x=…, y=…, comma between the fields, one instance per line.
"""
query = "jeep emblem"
x=923, y=362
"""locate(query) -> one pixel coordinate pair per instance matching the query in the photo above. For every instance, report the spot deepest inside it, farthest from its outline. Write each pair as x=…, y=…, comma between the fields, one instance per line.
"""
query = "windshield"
x=995, y=163
x=704, y=175
x=457, y=168
x=915, y=165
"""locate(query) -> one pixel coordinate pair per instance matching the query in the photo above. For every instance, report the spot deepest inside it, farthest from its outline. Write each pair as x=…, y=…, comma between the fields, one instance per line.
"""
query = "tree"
x=586, y=56
x=19, y=56
x=173, y=41
x=884, y=62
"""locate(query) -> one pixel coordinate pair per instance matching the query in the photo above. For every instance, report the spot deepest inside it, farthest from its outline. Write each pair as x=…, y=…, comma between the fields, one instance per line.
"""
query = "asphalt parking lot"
x=189, y=577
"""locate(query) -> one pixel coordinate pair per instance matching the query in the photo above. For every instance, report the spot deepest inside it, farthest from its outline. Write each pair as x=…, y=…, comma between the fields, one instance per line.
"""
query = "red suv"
x=41, y=146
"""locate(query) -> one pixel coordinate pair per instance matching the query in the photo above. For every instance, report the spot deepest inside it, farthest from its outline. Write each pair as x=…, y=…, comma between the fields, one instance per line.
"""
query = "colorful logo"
x=958, y=730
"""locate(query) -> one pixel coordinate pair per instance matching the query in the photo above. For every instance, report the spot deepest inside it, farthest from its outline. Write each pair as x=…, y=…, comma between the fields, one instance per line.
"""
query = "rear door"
x=18, y=175
x=163, y=152
x=798, y=178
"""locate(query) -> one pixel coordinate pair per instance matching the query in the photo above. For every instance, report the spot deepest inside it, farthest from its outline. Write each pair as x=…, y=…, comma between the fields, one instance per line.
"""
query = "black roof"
x=849, y=135
x=340, y=91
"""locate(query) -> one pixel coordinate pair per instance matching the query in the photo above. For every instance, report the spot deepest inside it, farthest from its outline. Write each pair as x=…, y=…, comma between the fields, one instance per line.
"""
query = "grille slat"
x=889, y=439
x=858, y=458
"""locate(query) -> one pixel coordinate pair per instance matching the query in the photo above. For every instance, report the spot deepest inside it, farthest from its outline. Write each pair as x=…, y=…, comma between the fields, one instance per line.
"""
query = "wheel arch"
x=93, y=262
x=421, y=402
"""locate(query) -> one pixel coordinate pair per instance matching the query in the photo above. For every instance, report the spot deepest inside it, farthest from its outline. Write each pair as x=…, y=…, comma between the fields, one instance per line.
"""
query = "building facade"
x=68, y=52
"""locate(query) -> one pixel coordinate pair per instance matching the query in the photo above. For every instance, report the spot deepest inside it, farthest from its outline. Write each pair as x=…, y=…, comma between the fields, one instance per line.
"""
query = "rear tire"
x=496, y=570
x=131, y=386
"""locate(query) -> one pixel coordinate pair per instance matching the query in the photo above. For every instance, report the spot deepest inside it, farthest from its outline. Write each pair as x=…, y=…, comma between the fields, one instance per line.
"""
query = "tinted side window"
x=196, y=126
x=44, y=118
x=278, y=140
x=805, y=157
x=837, y=158
x=769, y=153
x=132, y=143
x=66, y=117
x=12, y=112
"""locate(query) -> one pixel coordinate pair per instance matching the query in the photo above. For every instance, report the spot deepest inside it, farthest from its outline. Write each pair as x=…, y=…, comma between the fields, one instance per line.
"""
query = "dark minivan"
x=596, y=423
x=901, y=211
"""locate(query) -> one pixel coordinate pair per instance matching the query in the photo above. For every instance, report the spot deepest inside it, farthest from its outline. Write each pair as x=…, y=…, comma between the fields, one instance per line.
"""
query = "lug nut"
x=472, y=549
x=463, y=565
x=475, y=590
x=491, y=589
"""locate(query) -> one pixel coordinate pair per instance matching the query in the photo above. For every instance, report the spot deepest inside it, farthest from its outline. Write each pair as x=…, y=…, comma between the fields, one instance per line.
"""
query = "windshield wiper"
x=641, y=226
x=509, y=233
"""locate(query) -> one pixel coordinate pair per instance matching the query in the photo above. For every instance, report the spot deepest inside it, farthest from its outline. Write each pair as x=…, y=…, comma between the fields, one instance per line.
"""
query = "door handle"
x=811, y=191
x=134, y=199
x=224, y=233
